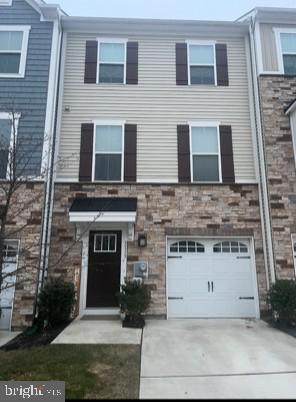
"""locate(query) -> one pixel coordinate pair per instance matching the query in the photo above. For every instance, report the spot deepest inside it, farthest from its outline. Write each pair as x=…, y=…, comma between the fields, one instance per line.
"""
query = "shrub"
x=55, y=302
x=134, y=299
x=282, y=298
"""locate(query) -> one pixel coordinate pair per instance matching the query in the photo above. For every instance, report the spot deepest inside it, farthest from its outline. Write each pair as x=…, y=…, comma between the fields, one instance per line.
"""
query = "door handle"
x=209, y=287
x=212, y=286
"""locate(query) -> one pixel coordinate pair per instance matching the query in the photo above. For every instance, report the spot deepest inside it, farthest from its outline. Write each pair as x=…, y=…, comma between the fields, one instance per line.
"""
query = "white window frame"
x=293, y=239
x=213, y=124
x=9, y=116
x=114, y=41
x=201, y=43
x=5, y=3
x=108, y=123
x=292, y=118
x=23, y=60
x=280, y=54
x=105, y=251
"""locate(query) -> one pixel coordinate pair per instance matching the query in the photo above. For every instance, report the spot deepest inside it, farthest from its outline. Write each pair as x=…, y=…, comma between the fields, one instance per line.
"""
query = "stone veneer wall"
x=24, y=224
x=209, y=210
x=277, y=92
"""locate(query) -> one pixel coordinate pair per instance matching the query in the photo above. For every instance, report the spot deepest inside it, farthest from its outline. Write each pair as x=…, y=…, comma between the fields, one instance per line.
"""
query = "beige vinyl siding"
x=157, y=106
x=269, y=47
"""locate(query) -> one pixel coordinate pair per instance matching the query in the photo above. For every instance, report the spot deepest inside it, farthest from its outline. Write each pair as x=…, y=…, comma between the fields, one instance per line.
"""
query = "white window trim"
x=278, y=32
x=115, y=41
x=26, y=31
x=213, y=124
x=201, y=43
x=293, y=131
x=293, y=240
x=9, y=116
x=5, y=3
x=108, y=123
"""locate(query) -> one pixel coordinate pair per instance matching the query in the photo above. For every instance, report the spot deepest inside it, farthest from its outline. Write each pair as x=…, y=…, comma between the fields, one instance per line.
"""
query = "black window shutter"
x=222, y=65
x=86, y=152
x=183, y=154
x=181, y=64
x=132, y=55
x=91, y=62
x=226, y=150
x=130, y=153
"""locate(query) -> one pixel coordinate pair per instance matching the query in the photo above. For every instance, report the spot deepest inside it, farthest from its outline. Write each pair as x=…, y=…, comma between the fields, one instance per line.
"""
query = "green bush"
x=55, y=302
x=134, y=299
x=282, y=298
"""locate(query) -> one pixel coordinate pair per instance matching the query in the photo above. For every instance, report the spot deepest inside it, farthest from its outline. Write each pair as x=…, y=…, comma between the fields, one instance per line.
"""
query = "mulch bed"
x=31, y=337
x=284, y=328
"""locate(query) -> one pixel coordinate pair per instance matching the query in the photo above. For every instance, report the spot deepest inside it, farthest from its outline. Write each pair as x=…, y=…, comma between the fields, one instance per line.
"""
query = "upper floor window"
x=108, y=152
x=205, y=154
x=8, y=133
x=112, y=61
x=202, y=63
x=13, y=51
x=288, y=50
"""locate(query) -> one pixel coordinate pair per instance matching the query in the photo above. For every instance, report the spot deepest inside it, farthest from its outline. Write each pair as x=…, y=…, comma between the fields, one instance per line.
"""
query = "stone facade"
x=163, y=210
x=277, y=92
x=24, y=224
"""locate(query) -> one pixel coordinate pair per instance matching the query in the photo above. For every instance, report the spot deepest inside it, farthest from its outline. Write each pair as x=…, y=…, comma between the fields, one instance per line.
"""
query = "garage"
x=7, y=291
x=211, y=278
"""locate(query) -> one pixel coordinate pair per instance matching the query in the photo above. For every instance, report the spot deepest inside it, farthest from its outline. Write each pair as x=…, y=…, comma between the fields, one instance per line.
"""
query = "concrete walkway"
x=7, y=336
x=217, y=359
x=98, y=332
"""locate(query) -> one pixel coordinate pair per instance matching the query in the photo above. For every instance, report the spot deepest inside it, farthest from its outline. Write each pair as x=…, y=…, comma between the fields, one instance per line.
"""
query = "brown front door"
x=104, y=261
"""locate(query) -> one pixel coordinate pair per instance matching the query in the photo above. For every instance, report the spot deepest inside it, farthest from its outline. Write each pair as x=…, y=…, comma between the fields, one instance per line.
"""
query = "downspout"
x=261, y=164
x=48, y=197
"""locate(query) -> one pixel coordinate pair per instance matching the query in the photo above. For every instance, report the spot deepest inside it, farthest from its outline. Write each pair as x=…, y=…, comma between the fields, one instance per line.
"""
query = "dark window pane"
x=290, y=64
x=202, y=75
x=98, y=245
x=3, y=163
x=174, y=248
x=183, y=247
x=191, y=247
x=105, y=243
x=9, y=63
x=112, y=245
x=108, y=167
x=111, y=73
x=205, y=168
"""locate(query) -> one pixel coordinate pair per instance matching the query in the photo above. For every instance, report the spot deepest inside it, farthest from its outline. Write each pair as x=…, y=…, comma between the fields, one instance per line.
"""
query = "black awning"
x=104, y=205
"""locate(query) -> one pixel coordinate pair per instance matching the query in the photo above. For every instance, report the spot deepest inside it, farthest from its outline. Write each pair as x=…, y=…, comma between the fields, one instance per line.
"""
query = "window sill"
x=12, y=75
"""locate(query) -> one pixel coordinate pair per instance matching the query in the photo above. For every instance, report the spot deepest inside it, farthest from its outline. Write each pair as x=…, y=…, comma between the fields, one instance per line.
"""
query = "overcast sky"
x=171, y=9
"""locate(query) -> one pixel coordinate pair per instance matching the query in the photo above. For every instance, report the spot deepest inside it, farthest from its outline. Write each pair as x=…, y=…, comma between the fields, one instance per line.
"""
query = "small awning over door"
x=103, y=210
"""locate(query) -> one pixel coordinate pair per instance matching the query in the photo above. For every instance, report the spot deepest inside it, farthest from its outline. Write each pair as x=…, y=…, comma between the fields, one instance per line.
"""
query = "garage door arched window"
x=230, y=247
x=187, y=246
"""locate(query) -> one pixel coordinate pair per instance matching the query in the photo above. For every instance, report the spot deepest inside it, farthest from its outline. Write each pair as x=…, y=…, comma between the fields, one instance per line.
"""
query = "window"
x=13, y=51
x=288, y=45
x=105, y=243
x=5, y=136
x=112, y=61
x=202, y=63
x=187, y=246
x=230, y=247
x=10, y=251
x=108, y=149
x=205, y=154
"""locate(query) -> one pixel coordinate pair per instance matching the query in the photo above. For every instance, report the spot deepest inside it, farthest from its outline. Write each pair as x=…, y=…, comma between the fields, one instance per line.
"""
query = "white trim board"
x=80, y=217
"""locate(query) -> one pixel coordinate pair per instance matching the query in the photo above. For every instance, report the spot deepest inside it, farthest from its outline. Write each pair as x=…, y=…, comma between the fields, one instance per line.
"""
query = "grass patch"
x=89, y=371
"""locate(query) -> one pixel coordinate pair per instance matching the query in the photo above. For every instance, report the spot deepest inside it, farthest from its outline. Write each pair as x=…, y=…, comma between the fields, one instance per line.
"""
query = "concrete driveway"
x=217, y=359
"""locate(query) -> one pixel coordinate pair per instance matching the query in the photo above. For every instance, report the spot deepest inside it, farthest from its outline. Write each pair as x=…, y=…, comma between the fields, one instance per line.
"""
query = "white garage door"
x=211, y=278
x=7, y=291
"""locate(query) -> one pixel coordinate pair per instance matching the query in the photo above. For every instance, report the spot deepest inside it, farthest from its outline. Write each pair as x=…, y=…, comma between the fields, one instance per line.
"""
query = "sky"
x=227, y=10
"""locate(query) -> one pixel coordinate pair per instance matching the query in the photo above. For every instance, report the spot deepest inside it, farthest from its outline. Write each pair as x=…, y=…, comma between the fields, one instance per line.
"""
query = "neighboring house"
x=274, y=36
x=157, y=128
x=30, y=38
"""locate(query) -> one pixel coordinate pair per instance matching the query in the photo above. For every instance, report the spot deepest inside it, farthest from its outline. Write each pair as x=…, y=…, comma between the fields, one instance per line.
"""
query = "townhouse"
x=30, y=35
x=273, y=33
x=158, y=173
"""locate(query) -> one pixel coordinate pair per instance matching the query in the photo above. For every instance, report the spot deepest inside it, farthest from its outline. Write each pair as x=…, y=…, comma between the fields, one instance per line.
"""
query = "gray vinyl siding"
x=156, y=105
x=269, y=48
x=28, y=95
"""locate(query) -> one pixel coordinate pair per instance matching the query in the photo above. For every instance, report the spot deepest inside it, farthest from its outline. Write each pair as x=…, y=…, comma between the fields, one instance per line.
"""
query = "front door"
x=104, y=263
